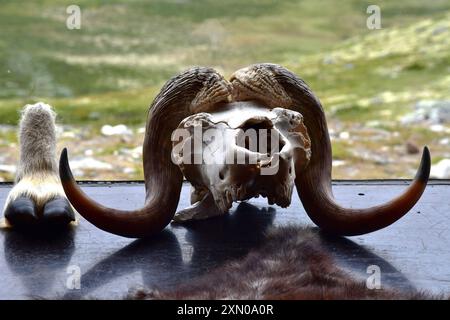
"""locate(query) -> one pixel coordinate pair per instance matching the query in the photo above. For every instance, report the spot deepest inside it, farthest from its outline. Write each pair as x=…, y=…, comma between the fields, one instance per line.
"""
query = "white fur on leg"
x=37, y=176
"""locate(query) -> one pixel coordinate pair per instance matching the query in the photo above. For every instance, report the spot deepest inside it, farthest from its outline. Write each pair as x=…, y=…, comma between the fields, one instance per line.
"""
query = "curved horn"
x=193, y=91
x=277, y=86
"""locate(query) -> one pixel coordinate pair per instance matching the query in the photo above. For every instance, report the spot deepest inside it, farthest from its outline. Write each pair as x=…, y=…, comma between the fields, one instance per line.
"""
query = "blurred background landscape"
x=386, y=92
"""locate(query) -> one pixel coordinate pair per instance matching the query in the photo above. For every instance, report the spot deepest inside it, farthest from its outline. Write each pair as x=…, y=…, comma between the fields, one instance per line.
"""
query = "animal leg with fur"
x=37, y=197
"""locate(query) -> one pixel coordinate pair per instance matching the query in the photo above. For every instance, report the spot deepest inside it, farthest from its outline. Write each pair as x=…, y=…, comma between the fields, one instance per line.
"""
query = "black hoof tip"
x=58, y=212
x=21, y=213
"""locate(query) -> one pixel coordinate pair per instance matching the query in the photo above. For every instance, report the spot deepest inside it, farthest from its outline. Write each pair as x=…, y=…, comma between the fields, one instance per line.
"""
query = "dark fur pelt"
x=291, y=265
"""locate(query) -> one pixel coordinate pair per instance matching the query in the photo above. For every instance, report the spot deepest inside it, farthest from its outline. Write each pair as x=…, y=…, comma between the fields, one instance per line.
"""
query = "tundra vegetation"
x=108, y=72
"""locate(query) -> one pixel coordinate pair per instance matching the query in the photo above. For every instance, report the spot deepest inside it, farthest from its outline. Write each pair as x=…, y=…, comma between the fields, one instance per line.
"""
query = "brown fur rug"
x=291, y=265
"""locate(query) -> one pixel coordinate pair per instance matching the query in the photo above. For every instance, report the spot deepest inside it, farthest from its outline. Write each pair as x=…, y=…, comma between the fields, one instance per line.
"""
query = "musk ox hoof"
x=37, y=198
x=23, y=213
x=58, y=212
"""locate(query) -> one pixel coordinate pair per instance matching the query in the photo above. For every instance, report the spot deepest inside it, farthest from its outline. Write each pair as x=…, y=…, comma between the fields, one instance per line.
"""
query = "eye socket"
x=221, y=175
x=256, y=125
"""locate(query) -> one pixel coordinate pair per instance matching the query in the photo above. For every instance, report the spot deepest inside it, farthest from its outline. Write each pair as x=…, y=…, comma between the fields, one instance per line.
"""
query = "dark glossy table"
x=412, y=253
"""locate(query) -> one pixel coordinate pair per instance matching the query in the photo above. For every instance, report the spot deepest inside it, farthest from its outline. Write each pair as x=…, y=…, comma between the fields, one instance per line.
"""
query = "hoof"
x=21, y=213
x=57, y=212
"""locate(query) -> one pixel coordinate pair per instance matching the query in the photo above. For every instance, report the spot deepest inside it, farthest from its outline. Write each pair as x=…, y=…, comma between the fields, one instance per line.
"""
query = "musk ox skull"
x=203, y=90
x=239, y=152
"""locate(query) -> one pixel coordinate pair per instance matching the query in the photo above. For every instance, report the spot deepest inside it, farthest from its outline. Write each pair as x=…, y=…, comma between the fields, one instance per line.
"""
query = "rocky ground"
x=366, y=150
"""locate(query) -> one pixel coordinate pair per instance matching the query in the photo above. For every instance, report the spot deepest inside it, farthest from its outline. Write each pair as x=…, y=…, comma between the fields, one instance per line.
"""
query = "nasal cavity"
x=256, y=135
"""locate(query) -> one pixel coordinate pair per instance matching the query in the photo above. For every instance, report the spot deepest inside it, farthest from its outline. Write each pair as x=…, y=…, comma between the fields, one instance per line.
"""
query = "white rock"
x=415, y=117
x=439, y=128
x=441, y=170
x=141, y=130
x=425, y=104
x=89, y=153
x=8, y=168
x=120, y=129
x=89, y=164
x=431, y=111
x=445, y=142
x=68, y=135
x=344, y=135
x=440, y=113
x=135, y=153
x=128, y=170
x=373, y=123
x=59, y=130
x=338, y=163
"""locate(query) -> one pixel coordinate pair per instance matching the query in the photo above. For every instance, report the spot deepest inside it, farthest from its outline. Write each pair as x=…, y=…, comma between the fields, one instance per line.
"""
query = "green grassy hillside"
x=108, y=71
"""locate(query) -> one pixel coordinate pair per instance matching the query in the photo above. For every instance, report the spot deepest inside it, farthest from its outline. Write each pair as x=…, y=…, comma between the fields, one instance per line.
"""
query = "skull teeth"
x=224, y=200
x=281, y=197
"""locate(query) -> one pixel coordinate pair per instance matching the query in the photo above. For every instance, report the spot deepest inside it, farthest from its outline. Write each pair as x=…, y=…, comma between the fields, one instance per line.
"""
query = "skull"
x=239, y=151
x=228, y=106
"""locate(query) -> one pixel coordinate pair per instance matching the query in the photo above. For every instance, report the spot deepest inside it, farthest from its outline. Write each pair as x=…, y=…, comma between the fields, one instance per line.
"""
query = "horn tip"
x=423, y=173
x=64, y=169
x=64, y=152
